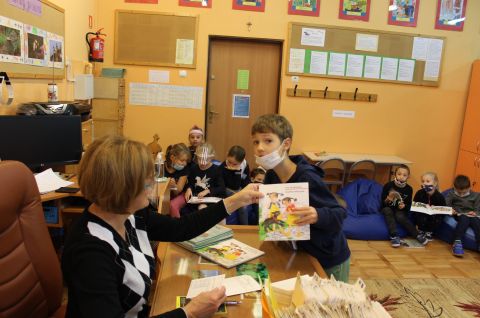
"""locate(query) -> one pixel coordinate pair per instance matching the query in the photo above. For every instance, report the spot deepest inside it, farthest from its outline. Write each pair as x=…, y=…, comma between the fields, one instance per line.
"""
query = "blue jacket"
x=327, y=241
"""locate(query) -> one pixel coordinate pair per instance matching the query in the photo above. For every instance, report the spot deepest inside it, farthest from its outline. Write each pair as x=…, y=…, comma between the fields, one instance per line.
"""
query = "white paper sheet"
x=313, y=37
x=406, y=69
x=242, y=284
x=366, y=42
x=389, y=68
x=419, y=50
x=318, y=62
x=343, y=113
x=184, y=51
x=336, y=64
x=205, y=284
x=166, y=95
x=372, y=67
x=355, y=65
x=297, y=60
x=434, y=52
x=432, y=70
x=155, y=76
x=48, y=181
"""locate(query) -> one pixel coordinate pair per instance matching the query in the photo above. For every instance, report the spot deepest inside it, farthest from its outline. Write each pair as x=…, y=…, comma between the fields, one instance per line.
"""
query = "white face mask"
x=271, y=160
x=462, y=195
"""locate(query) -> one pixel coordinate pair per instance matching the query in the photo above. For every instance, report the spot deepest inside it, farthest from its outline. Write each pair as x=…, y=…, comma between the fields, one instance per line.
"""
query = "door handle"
x=478, y=145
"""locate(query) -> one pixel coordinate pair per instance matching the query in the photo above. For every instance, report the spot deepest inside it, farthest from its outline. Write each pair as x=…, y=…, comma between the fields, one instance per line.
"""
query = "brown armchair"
x=30, y=275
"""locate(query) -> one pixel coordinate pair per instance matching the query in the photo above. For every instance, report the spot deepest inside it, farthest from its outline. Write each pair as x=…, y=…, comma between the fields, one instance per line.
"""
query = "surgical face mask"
x=462, y=195
x=399, y=183
x=427, y=187
x=271, y=160
x=178, y=167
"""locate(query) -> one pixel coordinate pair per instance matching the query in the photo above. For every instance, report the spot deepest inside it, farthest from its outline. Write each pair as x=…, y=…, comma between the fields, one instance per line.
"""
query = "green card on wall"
x=243, y=78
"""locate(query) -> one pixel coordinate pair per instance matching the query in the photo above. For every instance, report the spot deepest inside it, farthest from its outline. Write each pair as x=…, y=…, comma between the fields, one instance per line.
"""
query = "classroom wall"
x=76, y=25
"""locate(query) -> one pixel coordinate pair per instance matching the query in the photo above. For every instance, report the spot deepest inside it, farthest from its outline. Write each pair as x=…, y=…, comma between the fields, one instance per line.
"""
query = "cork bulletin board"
x=153, y=38
x=365, y=54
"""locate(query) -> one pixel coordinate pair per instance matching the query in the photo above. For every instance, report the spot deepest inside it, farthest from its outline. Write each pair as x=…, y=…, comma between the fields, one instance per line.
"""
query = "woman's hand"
x=246, y=196
x=305, y=215
x=188, y=194
x=472, y=213
x=204, y=193
x=401, y=205
x=206, y=303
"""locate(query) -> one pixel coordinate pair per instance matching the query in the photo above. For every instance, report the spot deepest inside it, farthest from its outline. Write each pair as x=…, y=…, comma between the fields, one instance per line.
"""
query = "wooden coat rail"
x=326, y=94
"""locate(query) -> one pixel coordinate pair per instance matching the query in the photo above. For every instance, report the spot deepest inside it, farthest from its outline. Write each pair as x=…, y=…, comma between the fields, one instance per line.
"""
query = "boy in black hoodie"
x=272, y=139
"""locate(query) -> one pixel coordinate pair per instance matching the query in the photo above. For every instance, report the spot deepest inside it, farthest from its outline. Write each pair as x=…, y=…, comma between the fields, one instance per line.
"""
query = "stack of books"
x=216, y=234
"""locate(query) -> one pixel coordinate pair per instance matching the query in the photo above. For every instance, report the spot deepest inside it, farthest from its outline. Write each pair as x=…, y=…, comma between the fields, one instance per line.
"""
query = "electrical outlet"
x=295, y=79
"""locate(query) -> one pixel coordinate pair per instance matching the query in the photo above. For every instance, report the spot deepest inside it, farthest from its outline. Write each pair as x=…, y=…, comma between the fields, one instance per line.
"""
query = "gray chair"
x=334, y=169
x=365, y=169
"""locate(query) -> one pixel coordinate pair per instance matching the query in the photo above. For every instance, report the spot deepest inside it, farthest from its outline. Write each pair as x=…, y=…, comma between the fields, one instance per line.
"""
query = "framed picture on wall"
x=304, y=7
x=196, y=3
x=403, y=12
x=249, y=5
x=450, y=15
x=354, y=10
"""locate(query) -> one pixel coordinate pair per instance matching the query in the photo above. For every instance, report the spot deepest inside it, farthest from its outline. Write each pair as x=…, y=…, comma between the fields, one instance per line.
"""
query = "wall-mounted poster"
x=403, y=12
x=11, y=41
x=304, y=7
x=354, y=10
x=35, y=46
x=450, y=15
x=55, y=50
x=196, y=3
x=249, y=5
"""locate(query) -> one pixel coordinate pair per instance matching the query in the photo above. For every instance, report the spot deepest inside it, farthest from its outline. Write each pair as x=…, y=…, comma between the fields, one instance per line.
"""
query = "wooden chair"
x=366, y=169
x=334, y=169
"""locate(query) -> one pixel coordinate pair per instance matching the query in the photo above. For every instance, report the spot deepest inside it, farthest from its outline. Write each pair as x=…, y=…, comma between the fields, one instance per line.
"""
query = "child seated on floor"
x=177, y=168
x=205, y=178
x=235, y=173
x=430, y=195
x=396, y=203
x=195, y=139
x=466, y=208
x=257, y=175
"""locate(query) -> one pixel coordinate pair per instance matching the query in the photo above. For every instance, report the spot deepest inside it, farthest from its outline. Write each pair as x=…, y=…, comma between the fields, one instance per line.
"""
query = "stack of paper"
x=197, y=200
x=216, y=234
x=234, y=285
x=48, y=181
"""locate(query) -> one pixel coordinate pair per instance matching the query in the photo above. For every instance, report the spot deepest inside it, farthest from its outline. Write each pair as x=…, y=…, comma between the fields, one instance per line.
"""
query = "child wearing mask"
x=195, y=139
x=396, y=203
x=177, y=168
x=430, y=195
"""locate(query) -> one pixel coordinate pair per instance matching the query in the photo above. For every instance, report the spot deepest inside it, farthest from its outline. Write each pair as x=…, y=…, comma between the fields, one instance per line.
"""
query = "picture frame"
x=354, y=10
x=450, y=15
x=249, y=5
x=304, y=7
x=196, y=3
x=403, y=13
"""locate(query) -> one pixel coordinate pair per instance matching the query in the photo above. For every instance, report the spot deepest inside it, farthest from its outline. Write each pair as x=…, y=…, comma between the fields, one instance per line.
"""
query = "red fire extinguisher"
x=96, y=46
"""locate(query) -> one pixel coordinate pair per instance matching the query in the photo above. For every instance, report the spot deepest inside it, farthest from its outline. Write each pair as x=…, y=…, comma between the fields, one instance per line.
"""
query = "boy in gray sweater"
x=466, y=208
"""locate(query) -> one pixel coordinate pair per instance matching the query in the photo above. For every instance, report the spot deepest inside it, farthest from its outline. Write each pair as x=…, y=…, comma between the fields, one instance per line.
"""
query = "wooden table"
x=178, y=264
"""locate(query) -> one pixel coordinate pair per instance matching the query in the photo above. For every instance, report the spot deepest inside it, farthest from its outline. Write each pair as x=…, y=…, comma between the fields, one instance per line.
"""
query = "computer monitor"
x=41, y=141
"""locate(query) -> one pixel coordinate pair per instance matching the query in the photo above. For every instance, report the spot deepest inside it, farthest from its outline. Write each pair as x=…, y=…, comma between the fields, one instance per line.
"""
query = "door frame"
x=212, y=38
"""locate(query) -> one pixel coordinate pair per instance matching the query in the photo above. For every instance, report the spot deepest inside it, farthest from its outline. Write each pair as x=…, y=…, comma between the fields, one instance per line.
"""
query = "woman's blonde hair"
x=113, y=172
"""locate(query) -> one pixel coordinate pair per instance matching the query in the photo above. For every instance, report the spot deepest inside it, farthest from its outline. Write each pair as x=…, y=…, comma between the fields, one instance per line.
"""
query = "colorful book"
x=276, y=223
x=230, y=253
x=214, y=235
x=430, y=209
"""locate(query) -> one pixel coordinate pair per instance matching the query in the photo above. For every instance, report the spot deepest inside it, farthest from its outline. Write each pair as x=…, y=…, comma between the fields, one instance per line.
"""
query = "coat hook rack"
x=326, y=94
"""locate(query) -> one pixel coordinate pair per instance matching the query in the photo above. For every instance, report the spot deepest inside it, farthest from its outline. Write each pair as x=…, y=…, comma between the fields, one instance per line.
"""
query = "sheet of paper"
x=355, y=65
x=336, y=64
x=184, y=51
x=434, y=52
x=166, y=95
x=318, y=62
x=432, y=70
x=366, y=42
x=406, y=69
x=48, y=181
x=241, y=106
x=313, y=37
x=33, y=6
x=155, y=76
x=389, y=69
x=419, y=50
x=297, y=60
x=343, y=113
x=372, y=67
x=242, y=284
x=201, y=285
x=243, y=79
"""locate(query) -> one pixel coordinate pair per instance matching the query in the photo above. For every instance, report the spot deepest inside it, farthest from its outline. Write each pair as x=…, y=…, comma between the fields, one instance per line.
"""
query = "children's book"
x=275, y=221
x=214, y=235
x=197, y=200
x=411, y=243
x=430, y=209
x=230, y=253
x=257, y=271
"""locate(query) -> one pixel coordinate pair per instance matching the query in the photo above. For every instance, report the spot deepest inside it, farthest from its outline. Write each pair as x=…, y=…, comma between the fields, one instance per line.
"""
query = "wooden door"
x=227, y=58
x=468, y=164
x=471, y=127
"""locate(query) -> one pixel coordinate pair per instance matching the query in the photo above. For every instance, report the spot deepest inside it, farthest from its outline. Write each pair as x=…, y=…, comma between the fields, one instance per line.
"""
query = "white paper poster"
x=355, y=65
x=35, y=46
x=155, y=76
x=313, y=37
x=11, y=51
x=297, y=60
x=336, y=64
x=184, y=51
x=419, y=50
x=432, y=70
x=406, y=69
x=343, y=113
x=318, y=62
x=241, y=106
x=56, y=50
x=366, y=42
x=372, y=67
x=389, y=69
x=166, y=95
x=434, y=52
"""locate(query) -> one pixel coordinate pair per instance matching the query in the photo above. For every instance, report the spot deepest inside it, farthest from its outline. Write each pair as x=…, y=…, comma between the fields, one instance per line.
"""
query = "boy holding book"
x=272, y=139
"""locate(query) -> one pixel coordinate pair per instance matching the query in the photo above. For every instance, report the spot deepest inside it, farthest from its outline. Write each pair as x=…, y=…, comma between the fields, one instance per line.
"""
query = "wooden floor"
x=377, y=259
